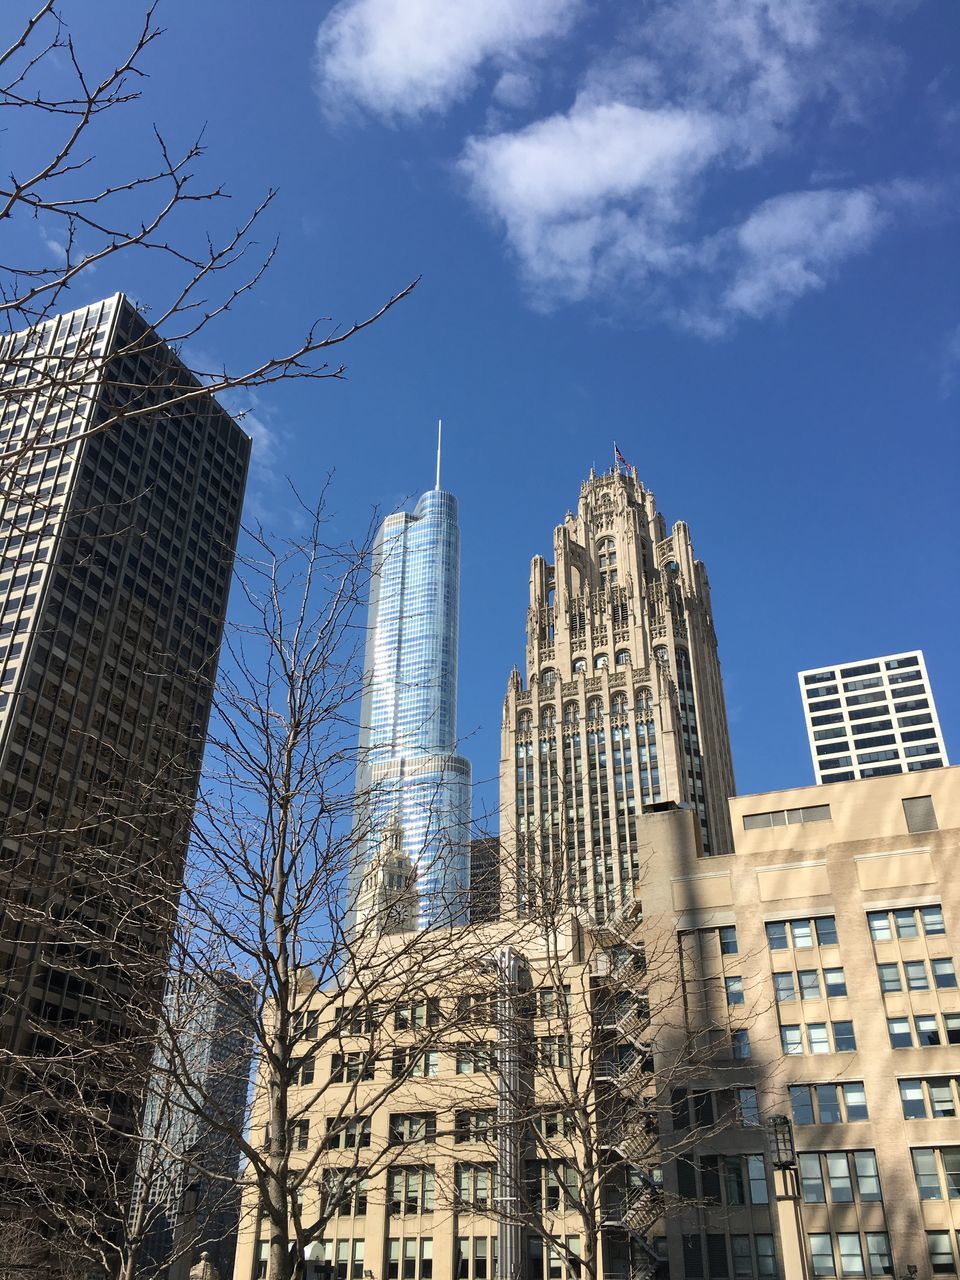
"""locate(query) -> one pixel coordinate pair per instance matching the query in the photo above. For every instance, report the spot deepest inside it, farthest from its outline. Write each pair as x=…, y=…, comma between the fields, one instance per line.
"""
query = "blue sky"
x=721, y=232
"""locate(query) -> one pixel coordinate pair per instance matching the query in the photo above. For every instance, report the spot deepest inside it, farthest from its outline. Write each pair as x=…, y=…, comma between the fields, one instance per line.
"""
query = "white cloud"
x=612, y=195
x=408, y=57
x=793, y=243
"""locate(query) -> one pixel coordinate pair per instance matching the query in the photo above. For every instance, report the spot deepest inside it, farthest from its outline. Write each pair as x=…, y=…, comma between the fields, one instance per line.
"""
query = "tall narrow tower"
x=409, y=773
x=623, y=706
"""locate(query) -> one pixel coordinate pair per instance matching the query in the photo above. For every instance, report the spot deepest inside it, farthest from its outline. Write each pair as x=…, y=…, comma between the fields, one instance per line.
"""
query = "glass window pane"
x=826, y=931
x=811, y=1179
x=783, y=987
x=734, y=989
x=844, y=1040
x=912, y=1100
x=838, y=1174
x=855, y=1100
x=757, y=1178
x=766, y=1258
x=951, y=1169
x=802, y=934
x=916, y=975
x=905, y=921
x=835, y=982
x=809, y=984
x=742, y=1256
x=925, y=1172
x=928, y=1030
x=878, y=1253
x=777, y=936
x=879, y=922
x=728, y=940
x=868, y=1176
x=821, y=1255
x=851, y=1256
x=791, y=1040
x=889, y=975
x=828, y=1104
x=941, y=1252
x=932, y=920
x=817, y=1037
x=944, y=974
x=801, y=1104
x=899, y=1032
x=942, y=1100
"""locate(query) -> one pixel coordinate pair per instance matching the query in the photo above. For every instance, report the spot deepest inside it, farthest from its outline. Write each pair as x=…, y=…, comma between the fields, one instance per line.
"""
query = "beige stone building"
x=585, y=1087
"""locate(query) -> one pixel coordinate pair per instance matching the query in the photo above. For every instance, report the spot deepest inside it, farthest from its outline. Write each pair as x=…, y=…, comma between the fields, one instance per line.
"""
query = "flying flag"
x=621, y=459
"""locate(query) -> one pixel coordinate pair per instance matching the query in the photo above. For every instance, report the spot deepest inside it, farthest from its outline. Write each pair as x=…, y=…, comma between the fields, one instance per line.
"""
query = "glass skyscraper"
x=409, y=773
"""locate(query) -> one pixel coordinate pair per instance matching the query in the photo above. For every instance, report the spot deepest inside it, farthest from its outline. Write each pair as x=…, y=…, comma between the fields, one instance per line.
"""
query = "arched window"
x=548, y=718
x=579, y=665
x=595, y=709
x=623, y=657
x=644, y=702
x=571, y=713
x=524, y=722
x=601, y=662
x=619, y=704
x=547, y=676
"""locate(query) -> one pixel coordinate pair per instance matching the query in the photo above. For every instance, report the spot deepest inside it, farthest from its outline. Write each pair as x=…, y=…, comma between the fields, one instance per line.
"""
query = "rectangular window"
x=791, y=1039
x=734, y=990
x=838, y=1175
x=740, y=1043
x=801, y=1104
x=821, y=1255
x=757, y=1178
x=867, y=1174
x=905, y=920
x=826, y=931
x=920, y=813
x=879, y=922
x=889, y=975
x=951, y=1170
x=951, y=1022
x=835, y=983
x=915, y=972
x=777, y=935
x=932, y=921
x=940, y=1252
x=942, y=1100
x=844, y=1039
x=766, y=1258
x=728, y=940
x=811, y=1178
x=784, y=988
x=944, y=974
x=828, y=1103
x=801, y=934
x=809, y=984
x=878, y=1253
x=851, y=1256
x=928, y=1030
x=855, y=1101
x=926, y=1174
x=912, y=1100
x=748, y=1107
x=817, y=1038
x=898, y=1030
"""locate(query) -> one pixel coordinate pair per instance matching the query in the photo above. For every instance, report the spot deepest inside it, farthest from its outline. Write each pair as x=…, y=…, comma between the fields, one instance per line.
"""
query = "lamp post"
x=783, y=1157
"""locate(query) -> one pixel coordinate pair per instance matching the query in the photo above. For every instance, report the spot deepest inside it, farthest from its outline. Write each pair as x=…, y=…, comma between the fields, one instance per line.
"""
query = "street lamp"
x=783, y=1153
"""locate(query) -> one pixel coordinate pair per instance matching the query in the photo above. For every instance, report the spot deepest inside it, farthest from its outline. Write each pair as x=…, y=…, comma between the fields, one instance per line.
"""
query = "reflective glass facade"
x=409, y=768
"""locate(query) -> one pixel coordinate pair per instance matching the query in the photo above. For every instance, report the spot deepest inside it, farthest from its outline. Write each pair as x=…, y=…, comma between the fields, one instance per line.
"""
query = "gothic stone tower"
x=623, y=708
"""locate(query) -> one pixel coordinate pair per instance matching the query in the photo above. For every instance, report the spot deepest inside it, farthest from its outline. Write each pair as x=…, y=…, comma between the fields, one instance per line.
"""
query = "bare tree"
x=51, y=92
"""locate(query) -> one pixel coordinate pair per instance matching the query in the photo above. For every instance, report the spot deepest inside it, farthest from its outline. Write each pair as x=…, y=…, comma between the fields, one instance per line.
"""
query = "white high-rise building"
x=871, y=718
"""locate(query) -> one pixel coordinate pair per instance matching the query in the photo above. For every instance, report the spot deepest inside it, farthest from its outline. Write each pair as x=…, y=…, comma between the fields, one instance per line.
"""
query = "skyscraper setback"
x=120, y=513
x=623, y=709
x=409, y=774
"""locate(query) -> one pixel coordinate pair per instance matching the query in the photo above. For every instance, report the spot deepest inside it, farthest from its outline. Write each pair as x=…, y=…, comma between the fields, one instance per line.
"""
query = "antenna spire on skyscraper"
x=439, y=442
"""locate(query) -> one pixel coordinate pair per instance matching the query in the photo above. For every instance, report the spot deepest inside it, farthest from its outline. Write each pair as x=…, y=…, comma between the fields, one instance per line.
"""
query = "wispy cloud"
x=403, y=59
x=655, y=185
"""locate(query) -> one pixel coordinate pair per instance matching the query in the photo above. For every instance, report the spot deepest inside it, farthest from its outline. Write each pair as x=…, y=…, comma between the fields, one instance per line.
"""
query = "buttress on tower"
x=623, y=708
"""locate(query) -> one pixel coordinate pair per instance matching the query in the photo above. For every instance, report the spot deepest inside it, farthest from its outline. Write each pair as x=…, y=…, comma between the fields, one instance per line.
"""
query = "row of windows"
x=926, y=1031
x=915, y=976
x=849, y=1254
x=838, y=1177
x=838, y=1037
x=904, y=922
x=807, y=983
